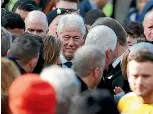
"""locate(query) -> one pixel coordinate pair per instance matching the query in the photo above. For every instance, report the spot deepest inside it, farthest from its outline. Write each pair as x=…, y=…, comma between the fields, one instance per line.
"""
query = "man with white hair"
x=66, y=84
x=88, y=63
x=148, y=25
x=71, y=32
x=36, y=23
x=113, y=72
x=105, y=39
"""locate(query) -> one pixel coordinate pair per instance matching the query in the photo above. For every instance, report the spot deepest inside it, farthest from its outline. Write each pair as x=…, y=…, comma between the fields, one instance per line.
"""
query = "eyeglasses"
x=71, y=10
x=75, y=38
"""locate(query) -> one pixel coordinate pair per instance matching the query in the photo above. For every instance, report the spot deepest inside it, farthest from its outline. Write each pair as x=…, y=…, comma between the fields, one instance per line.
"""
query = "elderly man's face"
x=140, y=77
x=36, y=27
x=71, y=40
x=148, y=28
x=53, y=26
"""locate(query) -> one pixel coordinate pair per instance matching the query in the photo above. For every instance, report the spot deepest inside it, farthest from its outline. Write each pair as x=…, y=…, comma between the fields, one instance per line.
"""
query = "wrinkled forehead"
x=71, y=31
x=67, y=5
x=149, y=16
x=36, y=24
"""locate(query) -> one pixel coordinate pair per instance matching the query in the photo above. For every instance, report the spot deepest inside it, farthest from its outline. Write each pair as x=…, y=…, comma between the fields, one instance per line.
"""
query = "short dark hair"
x=115, y=26
x=12, y=20
x=29, y=5
x=133, y=28
x=3, y=11
x=25, y=47
x=92, y=15
x=6, y=39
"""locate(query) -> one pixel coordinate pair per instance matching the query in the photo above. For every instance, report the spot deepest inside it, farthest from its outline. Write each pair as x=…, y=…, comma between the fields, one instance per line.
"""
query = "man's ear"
x=53, y=8
x=33, y=62
x=83, y=39
x=47, y=31
x=57, y=35
x=78, y=11
x=8, y=53
x=97, y=71
x=108, y=54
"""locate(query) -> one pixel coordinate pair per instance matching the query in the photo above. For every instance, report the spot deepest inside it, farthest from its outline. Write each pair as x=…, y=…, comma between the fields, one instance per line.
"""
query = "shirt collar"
x=116, y=62
x=63, y=59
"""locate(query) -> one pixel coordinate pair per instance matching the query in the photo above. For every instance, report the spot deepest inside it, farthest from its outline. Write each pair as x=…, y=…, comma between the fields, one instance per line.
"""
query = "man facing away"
x=88, y=63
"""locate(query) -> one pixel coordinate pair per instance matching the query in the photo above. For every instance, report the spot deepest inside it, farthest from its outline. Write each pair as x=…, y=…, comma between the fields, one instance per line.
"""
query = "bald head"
x=148, y=25
x=36, y=23
x=149, y=15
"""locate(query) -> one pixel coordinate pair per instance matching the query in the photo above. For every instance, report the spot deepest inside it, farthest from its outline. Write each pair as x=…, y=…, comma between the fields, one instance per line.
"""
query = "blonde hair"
x=9, y=72
x=52, y=48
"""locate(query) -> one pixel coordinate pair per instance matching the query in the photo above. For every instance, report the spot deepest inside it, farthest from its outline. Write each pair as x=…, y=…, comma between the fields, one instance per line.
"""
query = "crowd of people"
x=75, y=59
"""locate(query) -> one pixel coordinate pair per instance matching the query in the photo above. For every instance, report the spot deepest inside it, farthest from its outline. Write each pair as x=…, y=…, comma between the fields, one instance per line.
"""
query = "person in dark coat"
x=24, y=52
x=97, y=101
x=112, y=75
x=88, y=63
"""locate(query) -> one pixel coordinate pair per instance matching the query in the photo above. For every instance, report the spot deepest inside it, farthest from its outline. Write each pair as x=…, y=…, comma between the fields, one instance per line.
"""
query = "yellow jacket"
x=131, y=104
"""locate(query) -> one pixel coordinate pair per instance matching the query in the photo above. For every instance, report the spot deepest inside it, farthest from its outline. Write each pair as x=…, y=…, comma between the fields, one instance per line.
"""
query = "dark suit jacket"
x=84, y=7
x=113, y=77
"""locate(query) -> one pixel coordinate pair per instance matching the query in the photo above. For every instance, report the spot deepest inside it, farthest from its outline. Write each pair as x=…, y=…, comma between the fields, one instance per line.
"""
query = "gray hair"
x=71, y=21
x=86, y=59
x=141, y=52
x=6, y=40
x=65, y=82
x=103, y=37
x=37, y=15
x=115, y=26
x=148, y=14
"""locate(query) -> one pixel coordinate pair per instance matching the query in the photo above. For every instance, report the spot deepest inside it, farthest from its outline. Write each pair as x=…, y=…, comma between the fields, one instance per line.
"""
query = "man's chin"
x=69, y=57
x=142, y=94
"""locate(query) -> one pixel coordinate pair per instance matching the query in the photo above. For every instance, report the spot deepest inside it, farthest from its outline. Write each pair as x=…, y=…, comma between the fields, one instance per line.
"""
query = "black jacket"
x=83, y=85
x=40, y=63
x=113, y=77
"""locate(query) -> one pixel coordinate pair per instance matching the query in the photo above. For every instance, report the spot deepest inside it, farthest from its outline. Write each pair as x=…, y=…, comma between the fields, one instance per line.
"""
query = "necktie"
x=68, y=64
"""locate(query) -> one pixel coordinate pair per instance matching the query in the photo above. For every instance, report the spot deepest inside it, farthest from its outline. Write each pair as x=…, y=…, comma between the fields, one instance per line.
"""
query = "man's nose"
x=71, y=42
x=139, y=80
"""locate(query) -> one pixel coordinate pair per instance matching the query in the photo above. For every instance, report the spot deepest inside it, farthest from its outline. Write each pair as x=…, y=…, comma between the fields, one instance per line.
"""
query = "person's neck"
x=147, y=99
x=26, y=67
x=87, y=81
x=68, y=58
